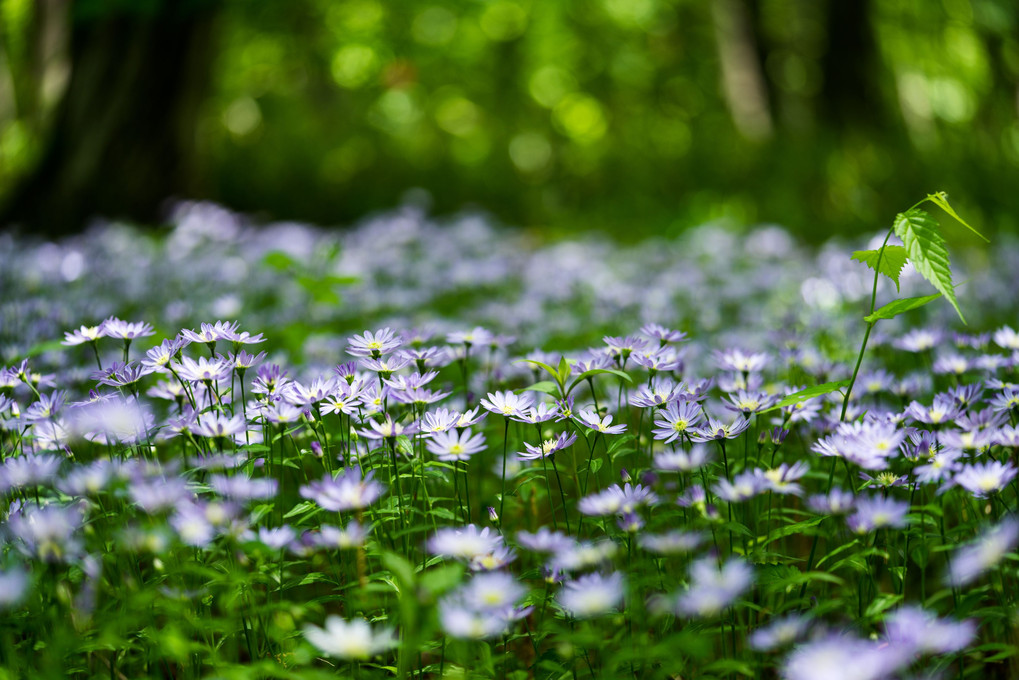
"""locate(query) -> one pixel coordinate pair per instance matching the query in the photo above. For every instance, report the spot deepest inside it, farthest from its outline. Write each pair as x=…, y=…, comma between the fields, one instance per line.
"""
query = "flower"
x=923, y=632
x=83, y=335
x=717, y=430
x=841, y=657
x=779, y=633
x=591, y=419
x=878, y=512
x=592, y=595
x=116, y=328
x=373, y=345
x=451, y=446
x=712, y=589
x=354, y=640
x=548, y=447
x=509, y=404
x=683, y=461
x=971, y=561
x=676, y=419
x=346, y=491
x=984, y=479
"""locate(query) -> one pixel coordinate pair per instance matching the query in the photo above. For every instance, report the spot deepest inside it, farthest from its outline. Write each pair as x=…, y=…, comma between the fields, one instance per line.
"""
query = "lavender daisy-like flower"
x=351, y=640
x=783, y=478
x=373, y=345
x=671, y=543
x=346, y=491
x=615, y=500
x=834, y=658
x=209, y=334
x=548, y=447
x=14, y=587
x=388, y=429
x=780, y=633
x=736, y=360
x=452, y=446
x=544, y=540
x=351, y=536
x=878, y=512
x=676, y=419
x=117, y=328
x=592, y=595
x=464, y=543
x=744, y=486
x=922, y=631
x=717, y=430
x=984, y=479
x=50, y=534
x=682, y=461
x=986, y=552
x=219, y=425
x=83, y=335
x=712, y=589
x=662, y=334
x=604, y=425
x=204, y=369
x=509, y=404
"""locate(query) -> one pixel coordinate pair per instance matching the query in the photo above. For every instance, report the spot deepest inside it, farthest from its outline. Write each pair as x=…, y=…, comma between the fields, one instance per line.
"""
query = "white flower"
x=349, y=640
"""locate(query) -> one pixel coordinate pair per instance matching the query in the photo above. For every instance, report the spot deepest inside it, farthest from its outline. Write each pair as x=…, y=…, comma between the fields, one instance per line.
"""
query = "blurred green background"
x=636, y=117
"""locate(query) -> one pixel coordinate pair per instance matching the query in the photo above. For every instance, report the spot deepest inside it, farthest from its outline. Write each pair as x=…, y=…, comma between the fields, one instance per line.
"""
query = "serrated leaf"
x=940, y=199
x=889, y=262
x=893, y=309
x=808, y=393
x=928, y=251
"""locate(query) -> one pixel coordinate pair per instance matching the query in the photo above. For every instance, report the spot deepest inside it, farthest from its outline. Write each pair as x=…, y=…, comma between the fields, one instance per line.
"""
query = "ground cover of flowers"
x=431, y=450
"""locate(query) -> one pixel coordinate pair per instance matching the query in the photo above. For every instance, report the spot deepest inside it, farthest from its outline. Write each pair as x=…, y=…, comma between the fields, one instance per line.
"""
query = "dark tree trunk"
x=122, y=139
x=850, y=94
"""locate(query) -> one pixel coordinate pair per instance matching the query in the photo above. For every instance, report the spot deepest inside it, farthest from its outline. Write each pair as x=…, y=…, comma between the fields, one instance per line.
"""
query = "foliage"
x=683, y=507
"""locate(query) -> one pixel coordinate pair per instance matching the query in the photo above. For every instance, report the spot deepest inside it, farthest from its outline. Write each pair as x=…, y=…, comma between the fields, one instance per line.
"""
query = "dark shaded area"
x=637, y=117
x=123, y=136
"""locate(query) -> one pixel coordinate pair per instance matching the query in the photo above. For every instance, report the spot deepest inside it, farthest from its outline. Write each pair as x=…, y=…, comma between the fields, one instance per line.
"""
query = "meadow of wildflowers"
x=429, y=450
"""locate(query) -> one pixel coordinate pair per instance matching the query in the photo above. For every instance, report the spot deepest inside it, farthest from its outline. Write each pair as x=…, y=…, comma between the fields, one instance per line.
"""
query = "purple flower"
x=984, y=479
x=509, y=404
x=373, y=345
x=452, y=446
x=548, y=447
x=833, y=657
x=49, y=534
x=676, y=419
x=592, y=595
x=590, y=419
x=923, y=632
x=878, y=512
x=717, y=430
x=712, y=589
x=971, y=561
x=346, y=491
x=116, y=328
x=83, y=335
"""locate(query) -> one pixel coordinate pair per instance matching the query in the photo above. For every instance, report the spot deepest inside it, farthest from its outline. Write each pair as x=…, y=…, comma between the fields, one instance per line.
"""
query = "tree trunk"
x=850, y=95
x=123, y=136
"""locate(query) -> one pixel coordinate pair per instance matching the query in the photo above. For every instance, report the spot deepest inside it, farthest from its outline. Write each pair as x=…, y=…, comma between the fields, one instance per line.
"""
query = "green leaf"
x=927, y=251
x=401, y=569
x=564, y=370
x=730, y=666
x=890, y=262
x=546, y=386
x=596, y=371
x=808, y=393
x=940, y=199
x=893, y=309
